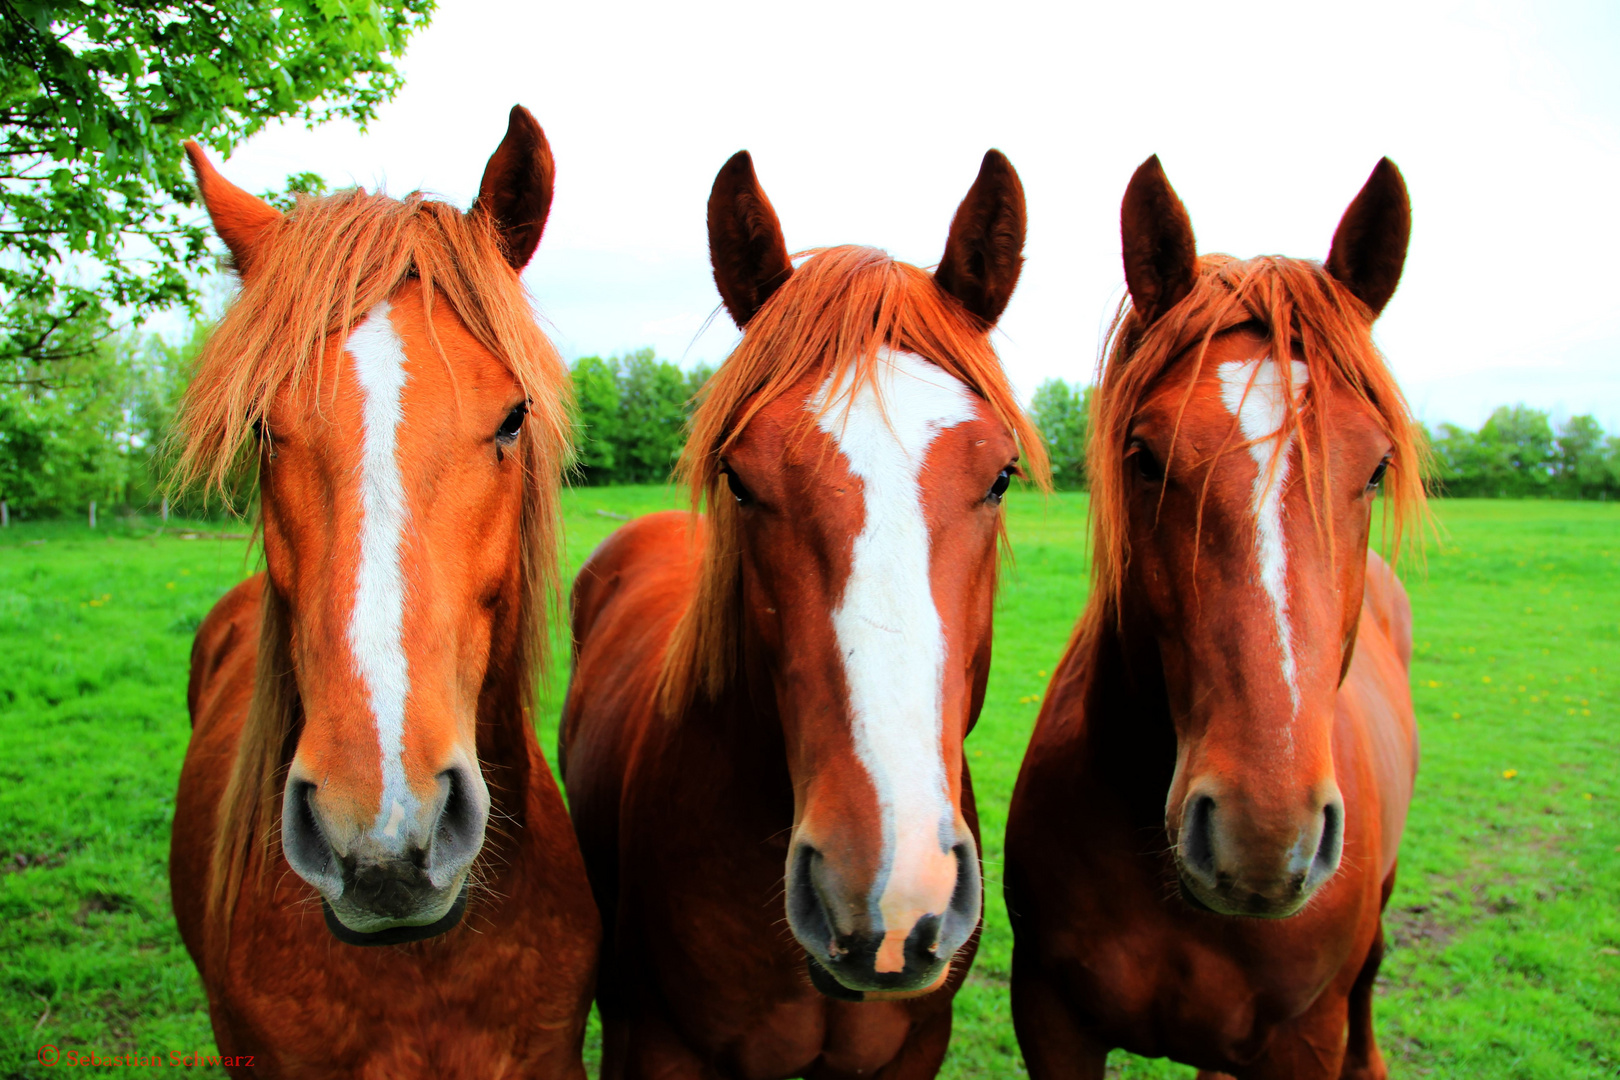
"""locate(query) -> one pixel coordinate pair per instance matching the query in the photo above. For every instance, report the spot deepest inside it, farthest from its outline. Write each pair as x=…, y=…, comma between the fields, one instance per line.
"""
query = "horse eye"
x=1147, y=466
x=1378, y=474
x=999, y=488
x=507, y=433
x=739, y=490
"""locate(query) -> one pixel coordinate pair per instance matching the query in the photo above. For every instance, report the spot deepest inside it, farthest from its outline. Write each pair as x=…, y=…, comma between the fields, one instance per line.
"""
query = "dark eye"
x=739, y=490
x=1147, y=466
x=1378, y=474
x=999, y=488
x=507, y=433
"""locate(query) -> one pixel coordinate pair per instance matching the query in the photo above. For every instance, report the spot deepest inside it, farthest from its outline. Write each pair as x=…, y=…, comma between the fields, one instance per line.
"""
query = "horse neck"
x=1125, y=712
x=507, y=746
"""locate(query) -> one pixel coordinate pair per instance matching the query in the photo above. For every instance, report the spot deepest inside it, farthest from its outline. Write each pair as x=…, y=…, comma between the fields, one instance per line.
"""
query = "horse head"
x=405, y=413
x=1246, y=424
x=854, y=451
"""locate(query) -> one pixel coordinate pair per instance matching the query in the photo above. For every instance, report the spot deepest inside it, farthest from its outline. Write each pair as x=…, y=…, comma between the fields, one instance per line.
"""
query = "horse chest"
x=805, y=1033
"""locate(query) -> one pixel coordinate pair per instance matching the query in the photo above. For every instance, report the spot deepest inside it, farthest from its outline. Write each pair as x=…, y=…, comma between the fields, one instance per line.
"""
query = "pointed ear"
x=1161, y=257
x=985, y=250
x=746, y=248
x=1369, y=246
x=516, y=189
x=240, y=219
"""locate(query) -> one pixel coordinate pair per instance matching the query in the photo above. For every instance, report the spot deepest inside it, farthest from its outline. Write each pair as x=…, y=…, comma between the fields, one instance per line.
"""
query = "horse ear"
x=240, y=219
x=1369, y=246
x=1161, y=258
x=746, y=248
x=985, y=251
x=516, y=189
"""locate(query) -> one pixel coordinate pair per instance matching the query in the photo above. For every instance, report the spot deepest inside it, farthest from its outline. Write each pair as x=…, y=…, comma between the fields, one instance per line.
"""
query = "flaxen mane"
x=1309, y=318
x=321, y=268
x=830, y=319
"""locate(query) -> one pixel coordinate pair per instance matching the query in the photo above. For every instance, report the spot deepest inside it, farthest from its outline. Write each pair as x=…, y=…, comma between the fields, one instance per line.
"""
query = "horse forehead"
x=1257, y=393
x=890, y=420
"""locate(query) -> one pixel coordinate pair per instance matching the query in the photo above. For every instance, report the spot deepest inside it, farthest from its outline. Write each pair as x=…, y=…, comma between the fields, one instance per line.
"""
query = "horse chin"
x=375, y=931
x=1254, y=906
x=824, y=981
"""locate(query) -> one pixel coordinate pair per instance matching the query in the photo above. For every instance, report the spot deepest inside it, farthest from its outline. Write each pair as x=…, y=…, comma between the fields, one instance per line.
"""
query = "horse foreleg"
x=1362, y=1061
x=1054, y=1046
x=654, y=1050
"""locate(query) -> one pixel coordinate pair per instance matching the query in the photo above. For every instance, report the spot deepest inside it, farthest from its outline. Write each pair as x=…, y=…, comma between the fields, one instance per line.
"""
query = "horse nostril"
x=1197, y=838
x=806, y=915
x=304, y=842
x=967, y=901
x=458, y=834
x=1331, y=847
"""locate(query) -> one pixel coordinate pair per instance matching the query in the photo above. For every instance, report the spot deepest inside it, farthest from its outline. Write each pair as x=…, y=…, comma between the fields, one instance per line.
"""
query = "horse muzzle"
x=852, y=949
x=1234, y=861
x=405, y=881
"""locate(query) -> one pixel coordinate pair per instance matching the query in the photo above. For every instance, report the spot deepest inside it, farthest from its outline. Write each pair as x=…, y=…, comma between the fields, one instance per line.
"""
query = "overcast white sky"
x=867, y=121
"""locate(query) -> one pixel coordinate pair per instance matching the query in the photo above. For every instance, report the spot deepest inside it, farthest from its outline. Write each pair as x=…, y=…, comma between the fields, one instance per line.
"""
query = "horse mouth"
x=823, y=981
x=1258, y=907
x=396, y=935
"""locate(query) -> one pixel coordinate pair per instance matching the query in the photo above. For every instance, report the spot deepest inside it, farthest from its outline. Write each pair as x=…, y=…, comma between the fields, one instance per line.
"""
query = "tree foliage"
x=92, y=427
x=96, y=97
x=1062, y=414
x=631, y=415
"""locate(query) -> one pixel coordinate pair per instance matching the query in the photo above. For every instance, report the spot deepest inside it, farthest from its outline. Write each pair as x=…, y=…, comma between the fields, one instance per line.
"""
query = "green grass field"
x=1504, y=928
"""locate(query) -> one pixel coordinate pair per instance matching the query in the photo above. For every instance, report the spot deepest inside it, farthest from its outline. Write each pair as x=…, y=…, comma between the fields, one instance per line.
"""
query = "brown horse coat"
x=1238, y=684
x=363, y=769
x=768, y=701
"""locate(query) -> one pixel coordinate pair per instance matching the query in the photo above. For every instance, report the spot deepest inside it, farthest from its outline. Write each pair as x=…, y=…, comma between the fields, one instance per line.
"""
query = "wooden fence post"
x=92, y=513
x=5, y=515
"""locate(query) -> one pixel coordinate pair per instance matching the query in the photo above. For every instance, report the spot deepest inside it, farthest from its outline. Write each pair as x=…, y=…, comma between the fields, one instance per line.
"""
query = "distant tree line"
x=1516, y=453
x=97, y=427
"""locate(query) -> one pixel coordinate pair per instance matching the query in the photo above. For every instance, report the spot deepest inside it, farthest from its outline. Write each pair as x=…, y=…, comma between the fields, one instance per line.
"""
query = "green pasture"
x=1504, y=928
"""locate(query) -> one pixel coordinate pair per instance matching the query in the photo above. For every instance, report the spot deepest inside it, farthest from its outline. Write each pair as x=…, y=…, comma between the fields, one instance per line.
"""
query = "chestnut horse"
x=768, y=702
x=362, y=711
x=1204, y=832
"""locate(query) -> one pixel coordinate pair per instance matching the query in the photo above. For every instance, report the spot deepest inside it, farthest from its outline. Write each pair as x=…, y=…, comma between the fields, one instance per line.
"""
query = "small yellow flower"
x=1041, y=674
x=1508, y=774
x=1486, y=679
x=1587, y=796
x=185, y=573
x=1456, y=716
x=168, y=584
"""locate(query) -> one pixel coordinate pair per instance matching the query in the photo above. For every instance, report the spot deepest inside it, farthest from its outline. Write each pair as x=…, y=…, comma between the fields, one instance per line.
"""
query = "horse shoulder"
x=225, y=650
x=223, y=656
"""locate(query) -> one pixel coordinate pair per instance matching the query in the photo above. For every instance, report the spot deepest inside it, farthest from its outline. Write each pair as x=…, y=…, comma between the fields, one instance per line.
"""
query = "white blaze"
x=379, y=595
x=1254, y=392
x=887, y=626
